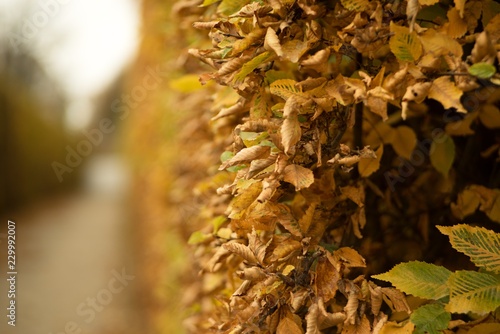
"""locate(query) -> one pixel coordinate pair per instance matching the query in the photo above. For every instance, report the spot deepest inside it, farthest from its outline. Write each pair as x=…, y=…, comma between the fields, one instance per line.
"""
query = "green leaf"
x=478, y=243
x=420, y=279
x=430, y=318
x=217, y=222
x=197, y=237
x=482, y=70
x=228, y=7
x=472, y=291
x=442, y=154
x=226, y=155
x=405, y=45
x=186, y=84
x=248, y=67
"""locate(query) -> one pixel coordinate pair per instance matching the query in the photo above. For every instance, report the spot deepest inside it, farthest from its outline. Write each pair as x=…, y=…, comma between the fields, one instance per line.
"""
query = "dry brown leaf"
x=288, y=325
x=396, y=300
x=354, y=193
x=293, y=50
x=241, y=250
x=312, y=319
x=351, y=308
x=272, y=42
x=349, y=257
x=363, y=327
x=290, y=133
x=326, y=279
x=306, y=220
x=416, y=93
x=246, y=155
x=299, y=176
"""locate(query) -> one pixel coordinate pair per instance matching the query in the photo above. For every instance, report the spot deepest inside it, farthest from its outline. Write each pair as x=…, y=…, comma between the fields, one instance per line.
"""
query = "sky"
x=83, y=44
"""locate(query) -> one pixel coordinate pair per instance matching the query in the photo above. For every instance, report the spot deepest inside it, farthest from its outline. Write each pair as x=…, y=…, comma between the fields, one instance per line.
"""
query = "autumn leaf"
x=368, y=166
x=299, y=176
x=272, y=42
x=477, y=243
x=246, y=155
x=355, y=5
x=404, y=141
x=405, y=45
x=419, y=279
x=442, y=154
x=445, y=92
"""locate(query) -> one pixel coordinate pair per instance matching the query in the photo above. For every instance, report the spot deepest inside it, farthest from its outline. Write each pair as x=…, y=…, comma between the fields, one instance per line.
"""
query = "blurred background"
x=86, y=143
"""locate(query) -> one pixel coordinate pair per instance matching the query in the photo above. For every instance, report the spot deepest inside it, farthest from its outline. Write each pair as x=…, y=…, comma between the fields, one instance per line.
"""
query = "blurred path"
x=74, y=261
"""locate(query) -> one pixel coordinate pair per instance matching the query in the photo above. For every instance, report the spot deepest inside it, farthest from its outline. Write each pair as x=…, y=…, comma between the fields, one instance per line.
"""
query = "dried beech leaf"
x=290, y=133
x=312, y=319
x=299, y=176
x=288, y=326
x=272, y=42
x=241, y=250
x=362, y=327
x=246, y=155
x=351, y=308
x=349, y=257
x=327, y=277
x=293, y=50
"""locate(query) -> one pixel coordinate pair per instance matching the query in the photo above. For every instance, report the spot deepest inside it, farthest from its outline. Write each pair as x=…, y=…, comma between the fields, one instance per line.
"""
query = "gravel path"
x=75, y=273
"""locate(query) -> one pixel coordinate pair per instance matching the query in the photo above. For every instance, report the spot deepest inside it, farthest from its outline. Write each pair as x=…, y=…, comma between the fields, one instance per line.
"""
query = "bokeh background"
x=87, y=139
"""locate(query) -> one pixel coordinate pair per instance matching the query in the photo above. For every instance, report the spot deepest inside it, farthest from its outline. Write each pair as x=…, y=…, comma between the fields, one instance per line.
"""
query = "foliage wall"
x=346, y=132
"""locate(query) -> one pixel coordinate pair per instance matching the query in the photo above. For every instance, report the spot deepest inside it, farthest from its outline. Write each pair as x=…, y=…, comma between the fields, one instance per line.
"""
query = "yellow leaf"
x=445, y=92
x=457, y=27
x=490, y=116
x=442, y=153
x=439, y=44
x=284, y=88
x=186, y=84
x=355, y=194
x=367, y=166
x=355, y=5
x=493, y=28
x=299, y=176
x=392, y=327
x=405, y=45
x=485, y=328
x=293, y=50
x=461, y=127
x=404, y=141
